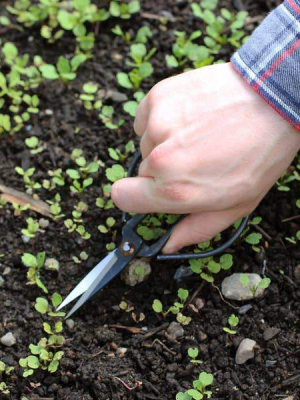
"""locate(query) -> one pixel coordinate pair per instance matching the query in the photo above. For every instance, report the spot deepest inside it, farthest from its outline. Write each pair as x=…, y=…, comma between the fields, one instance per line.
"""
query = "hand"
x=211, y=148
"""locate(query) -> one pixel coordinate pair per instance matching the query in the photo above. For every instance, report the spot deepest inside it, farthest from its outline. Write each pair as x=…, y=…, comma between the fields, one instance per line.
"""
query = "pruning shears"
x=132, y=245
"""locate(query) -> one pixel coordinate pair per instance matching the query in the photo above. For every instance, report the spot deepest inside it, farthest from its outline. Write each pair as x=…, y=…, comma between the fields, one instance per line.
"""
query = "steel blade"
x=87, y=281
x=112, y=260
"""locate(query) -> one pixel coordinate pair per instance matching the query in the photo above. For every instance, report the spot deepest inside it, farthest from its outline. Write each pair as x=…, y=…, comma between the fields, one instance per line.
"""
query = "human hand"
x=211, y=147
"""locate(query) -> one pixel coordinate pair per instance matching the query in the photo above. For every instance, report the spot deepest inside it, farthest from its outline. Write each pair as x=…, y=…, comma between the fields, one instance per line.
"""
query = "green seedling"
x=124, y=10
x=82, y=232
x=4, y=371
x=142, y=68
x=30, y=184
x=289, y=176
x=199, y=390
x=232, y=322
x=208, y=267
x=131, y=106
x=3, y=202
x=90, y=96
x=83, y=256
x=57, y=179
x=176, y=308
x=103, y=203
x=34, y=144
x=193, y=354
x=126, y=306
x=263, y=284
x=118, y=155
x=142, y=36
x=19, y=209
x=35, y=264
x=55, y=207
x=107, y=117
x=115, y=173
x=81, y=176
x=252, y=238
x=32, y=228
x=44, y=354
x=79, y=209
x=65, y=70
x=110, y=222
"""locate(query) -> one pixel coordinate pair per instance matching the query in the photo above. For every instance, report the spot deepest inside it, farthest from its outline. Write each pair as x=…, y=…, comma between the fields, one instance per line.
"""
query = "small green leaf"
x=56, y=300
x=264, y=283
x=41, y=305
x=33, y=362
x=193, y=352
x=157, y=306
x=244, y=279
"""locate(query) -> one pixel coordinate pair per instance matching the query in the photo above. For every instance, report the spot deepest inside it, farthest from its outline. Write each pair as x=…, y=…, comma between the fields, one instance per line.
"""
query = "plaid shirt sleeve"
x=270, y=60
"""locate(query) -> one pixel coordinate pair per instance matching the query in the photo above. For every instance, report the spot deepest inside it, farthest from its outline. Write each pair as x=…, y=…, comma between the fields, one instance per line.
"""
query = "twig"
x=291, y=218
x=96, y=354
x=194, y=295
x=162, y=345
x=131, y=329
x=264, y=233
x=155, y=331
x=225, y=301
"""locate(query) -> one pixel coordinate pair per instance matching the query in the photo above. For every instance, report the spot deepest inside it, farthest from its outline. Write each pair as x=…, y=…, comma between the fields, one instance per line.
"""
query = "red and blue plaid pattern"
x=270, y=60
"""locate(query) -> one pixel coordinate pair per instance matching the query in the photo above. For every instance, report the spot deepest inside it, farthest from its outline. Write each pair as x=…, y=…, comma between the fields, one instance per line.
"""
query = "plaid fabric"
x=270, y=60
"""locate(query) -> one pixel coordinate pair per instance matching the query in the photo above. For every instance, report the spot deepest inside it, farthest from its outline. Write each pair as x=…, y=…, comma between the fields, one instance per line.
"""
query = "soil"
x=154, y=366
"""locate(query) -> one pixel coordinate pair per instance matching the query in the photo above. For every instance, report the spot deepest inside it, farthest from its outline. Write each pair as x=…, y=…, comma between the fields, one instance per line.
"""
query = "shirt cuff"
x=270, y=60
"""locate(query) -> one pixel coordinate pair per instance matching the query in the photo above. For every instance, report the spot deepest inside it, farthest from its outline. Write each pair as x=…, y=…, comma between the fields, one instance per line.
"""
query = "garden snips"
x=132, y=245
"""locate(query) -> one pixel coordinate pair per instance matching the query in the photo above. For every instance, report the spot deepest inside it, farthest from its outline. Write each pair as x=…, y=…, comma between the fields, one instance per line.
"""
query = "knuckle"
x=174, y=192
x=157, y=158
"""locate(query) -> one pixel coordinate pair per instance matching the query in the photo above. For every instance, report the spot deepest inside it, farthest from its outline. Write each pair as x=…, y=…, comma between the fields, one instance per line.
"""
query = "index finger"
x=142, y=116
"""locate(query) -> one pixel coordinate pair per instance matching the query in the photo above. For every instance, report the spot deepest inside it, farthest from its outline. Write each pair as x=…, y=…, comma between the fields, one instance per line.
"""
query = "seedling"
x=57, y=179
x=253, y=238
x=115, y=173
x=208, y=267
x=107, y=117
x=232, y=322
x=124, y=10
x=110, y=222
x=263, y=284
x=90, y=96
x=118, y=155
x=131, y=106
x=183, y=295
x=4, y=370
x=35, y=264
x=199, y=390
x=193, y=354
x=65, y=70
x=83, y=256
x=142, y=68
x=19, y=209
x=30, y=184
x=32, y=228
x=55, y=207
x=142, y=35
x=79, y=209
x=34, y=144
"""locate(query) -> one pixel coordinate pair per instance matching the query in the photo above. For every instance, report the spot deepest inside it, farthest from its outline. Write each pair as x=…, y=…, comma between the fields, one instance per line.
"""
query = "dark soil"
x=91, y=367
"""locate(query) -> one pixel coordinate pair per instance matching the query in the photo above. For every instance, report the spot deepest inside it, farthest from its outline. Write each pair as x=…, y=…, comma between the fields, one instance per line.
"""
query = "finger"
x=142, y=195
x=146, y=145
x=142, y=116
x=197, y=228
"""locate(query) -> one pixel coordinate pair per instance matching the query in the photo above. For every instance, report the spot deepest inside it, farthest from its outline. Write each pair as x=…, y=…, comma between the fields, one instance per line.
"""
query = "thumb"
x=135, y=194
x=200, y=227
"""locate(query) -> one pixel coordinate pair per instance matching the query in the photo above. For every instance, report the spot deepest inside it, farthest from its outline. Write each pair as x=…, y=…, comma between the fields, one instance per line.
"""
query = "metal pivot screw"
x=127, y=249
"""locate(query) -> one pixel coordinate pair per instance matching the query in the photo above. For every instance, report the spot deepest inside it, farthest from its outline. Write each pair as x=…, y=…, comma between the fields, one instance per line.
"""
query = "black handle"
x=163, y=257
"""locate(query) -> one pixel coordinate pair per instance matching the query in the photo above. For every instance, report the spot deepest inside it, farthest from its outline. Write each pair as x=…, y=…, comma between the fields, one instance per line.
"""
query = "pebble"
x=270, y=333
x=202, y=336
x=8, y=339
x=116, y=96
x=7, y=271
x=44, y=223
x=70, y=323
x=245, y=351
x=131, y=278
x=182, y=272
x=25, y=239
x=52, y=264
x=48, y=112
x=175, y=330
x=270, y=363
x=233, y=289
x=121, y=351
x=289, y=398
x=244, y=309
x=199, y=303
x=2, y=281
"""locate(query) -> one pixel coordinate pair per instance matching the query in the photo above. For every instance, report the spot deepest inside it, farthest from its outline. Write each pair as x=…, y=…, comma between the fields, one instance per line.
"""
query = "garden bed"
x=154, y=365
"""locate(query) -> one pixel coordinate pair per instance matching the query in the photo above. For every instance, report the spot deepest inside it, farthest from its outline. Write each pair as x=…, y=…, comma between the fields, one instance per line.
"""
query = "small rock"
x=175, y=330
x=116, y=56
x=1, y=281
x=202, y=336
x=48, y=112
x=233, y=289
x=244, y=309
x=25, y=239
x=182, y=272
x=7, y=271
x=8, y=339
x=136, y=272
x=52, y=264
x=270, y=333
x=270, y=363
x=199, y=303
x=44, y=223
x=245, y=351
x=28, y=128
x=70, y=323
x=289, y=398
x=121, y=351
x=116, y=96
